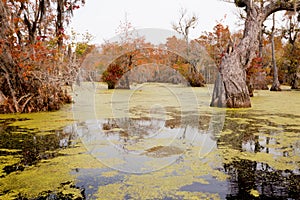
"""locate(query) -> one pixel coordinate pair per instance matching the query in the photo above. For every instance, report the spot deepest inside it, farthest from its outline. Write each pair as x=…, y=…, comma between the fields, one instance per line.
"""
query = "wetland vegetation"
x=153, y=152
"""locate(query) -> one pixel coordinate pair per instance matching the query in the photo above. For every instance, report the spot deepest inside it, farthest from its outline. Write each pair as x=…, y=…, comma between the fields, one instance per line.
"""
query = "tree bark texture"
x=234, y=64
x=295, y=80
x=230, y=88
x=275, y=84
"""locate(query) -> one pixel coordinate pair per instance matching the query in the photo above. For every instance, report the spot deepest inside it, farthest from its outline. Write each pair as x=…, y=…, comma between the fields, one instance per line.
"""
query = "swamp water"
x=155, y=141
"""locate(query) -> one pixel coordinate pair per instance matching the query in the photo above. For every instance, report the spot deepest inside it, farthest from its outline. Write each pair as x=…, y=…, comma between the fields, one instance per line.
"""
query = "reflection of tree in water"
x=156, y=134
x=132, y=127
x=249, y=174
x=146, y=126
x=246, y=175
x=31, y=146
x=132, y=131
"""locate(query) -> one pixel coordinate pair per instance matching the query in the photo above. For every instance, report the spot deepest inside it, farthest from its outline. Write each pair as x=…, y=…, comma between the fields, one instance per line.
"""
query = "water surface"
x=155, y=141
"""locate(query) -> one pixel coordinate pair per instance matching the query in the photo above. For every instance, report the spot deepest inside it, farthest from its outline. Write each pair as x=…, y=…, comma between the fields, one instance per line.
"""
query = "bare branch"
x=185, y=23
x=26, y=102
x=274, y=6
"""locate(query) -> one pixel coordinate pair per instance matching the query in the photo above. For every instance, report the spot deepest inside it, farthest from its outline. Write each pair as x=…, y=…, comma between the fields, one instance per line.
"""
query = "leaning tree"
x=230, y=88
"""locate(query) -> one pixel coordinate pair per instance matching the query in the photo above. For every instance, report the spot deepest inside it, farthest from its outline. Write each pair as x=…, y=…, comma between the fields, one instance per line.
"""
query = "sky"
x=102, y=18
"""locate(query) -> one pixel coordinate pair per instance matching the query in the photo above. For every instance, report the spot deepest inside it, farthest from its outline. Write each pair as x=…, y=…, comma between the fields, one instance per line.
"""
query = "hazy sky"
x=102, y=18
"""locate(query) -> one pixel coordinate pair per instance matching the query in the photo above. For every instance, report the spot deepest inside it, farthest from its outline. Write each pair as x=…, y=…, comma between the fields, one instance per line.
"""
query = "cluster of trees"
x=246, y=60
x=156, y=56
x=288, y=59
x=278, y=47
x=130, y=50
x=35, y=62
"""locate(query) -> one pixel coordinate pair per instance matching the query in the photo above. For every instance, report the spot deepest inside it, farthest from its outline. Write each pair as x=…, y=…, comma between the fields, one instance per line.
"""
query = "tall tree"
x=64, y=10
x=230, y=87
x=184, y=25
x=291, y=33
x=275, y=84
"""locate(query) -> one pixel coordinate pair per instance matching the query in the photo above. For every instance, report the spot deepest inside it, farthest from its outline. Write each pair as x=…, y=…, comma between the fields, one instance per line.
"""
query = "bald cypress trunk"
x=275, y=84
x=295, y=78
x=232, y=80
x=232, y=90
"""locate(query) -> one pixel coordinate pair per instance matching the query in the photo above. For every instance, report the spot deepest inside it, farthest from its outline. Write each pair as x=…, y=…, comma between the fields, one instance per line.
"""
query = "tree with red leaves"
x=33, y=68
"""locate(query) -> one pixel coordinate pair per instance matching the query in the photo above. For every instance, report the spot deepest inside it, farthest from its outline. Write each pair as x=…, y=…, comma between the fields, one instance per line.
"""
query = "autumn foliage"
x=34, y=65
x=154, y=56
x=112, y=75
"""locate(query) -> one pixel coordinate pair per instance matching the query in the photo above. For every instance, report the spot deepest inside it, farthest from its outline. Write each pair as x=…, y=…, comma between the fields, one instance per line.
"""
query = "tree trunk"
x=232, y=78
x=59, y=24
x=233, y=65
x=295, y=80
x=123, y=83
x=261, y=77
x=231, y=84
x=111, y=86
x=218, y=98
x=6, y=60
x=276, y=84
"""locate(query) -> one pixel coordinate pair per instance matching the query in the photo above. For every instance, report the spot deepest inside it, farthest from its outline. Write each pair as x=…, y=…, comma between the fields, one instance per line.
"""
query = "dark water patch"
x=246, y=175
x=7, y=121
x=213, y=186
x=92, y=179
x=12, y=168
x=30, y=145
x=265, y=138
x=9, y=152
x=62, y=193
x=246, y=126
